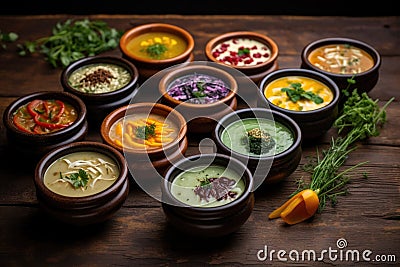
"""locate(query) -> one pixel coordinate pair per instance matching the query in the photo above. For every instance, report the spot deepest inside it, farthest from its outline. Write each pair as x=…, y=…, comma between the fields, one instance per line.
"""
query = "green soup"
x=207, y=186
x=257, y=137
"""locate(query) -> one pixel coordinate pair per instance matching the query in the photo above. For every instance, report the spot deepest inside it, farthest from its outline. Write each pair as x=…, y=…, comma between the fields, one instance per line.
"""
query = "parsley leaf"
x=295, y=92
x=143, y=132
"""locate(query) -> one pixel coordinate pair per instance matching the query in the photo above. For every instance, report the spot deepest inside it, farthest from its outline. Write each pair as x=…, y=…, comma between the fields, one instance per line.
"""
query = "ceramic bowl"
x=130, y=139
x=33, y=141
x=314, y=119
x=267, y=141
x=104, y=83
x=208, y=215
x=94, y=202
x=357, y=60
x=201, y=113
x=252, y=53
x=155, y=46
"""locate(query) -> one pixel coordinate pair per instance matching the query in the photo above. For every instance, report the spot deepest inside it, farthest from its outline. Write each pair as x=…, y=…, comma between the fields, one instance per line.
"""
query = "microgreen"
x=73, y=40
x=295, y=93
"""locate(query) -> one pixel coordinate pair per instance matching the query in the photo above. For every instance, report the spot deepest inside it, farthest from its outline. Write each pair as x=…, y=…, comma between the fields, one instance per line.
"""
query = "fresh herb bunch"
x=73, y=40
x=7, y=37
x=360, y=118
x=295, y=92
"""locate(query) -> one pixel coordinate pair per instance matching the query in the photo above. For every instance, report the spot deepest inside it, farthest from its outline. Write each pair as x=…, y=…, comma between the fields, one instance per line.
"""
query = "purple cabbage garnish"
x=198, y=89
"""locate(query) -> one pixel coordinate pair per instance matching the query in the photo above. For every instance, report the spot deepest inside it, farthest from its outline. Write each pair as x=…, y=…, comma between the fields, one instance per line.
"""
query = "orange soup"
x=298, y=93
x=341, y=59
x=157, y=45
x=143, y=131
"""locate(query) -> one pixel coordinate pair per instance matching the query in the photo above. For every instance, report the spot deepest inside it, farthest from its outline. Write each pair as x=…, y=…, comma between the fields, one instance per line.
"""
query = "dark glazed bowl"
x=208, y=222
x=365, y=81
x=33, y=146
x=254, y=72
x=148, y=67
x=82, y=210
x=100, y=104
x=146, y=159
x=266, y=169
x=201, y=118
x=313, y=123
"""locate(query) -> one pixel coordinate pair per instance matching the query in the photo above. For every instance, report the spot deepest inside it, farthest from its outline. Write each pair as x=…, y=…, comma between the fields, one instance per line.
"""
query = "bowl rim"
x=67, y=149
x=69, y=97
x=155, y=27
x=249, y=181
x=120, y=112
x=301, y=73
x=213, y=42
x=341, y=40
x=107, y=59
x=179, y=71
x=285, y=119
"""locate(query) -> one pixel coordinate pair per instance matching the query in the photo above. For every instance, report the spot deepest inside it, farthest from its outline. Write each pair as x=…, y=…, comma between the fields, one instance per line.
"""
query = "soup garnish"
x=99, y=78
x=44, y=116
x=157, y=45
x=257, y=137
x=207, y=186
x=341, y=59
x=143, y=131
x=241, y=52
x=298, y=93
x=81, y=174
x=198, y=88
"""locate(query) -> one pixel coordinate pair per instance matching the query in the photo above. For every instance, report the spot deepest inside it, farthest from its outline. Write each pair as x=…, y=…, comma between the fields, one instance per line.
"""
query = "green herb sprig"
x=144, y=132
x=78, y=179
x=295, y=93
x=156, y=50
x=7, y=37
x=73, y=40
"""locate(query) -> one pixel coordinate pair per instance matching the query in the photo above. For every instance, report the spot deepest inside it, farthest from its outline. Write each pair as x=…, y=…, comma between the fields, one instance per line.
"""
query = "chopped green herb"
x=156, y=50
x=243, y=51
x=258, y=142
x=144, y=132
x=295, y=92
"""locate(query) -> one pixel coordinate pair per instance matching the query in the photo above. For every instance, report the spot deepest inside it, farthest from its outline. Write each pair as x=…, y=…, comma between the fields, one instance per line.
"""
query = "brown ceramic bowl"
x=365, y=79
x=146, y=158
x=201, y=116
x=33, y=145
x=259, y=58
x=148, y=66
x=314, y=122
x=104, y=83
x=270, y=163
x=224, y=216
x=98, y=201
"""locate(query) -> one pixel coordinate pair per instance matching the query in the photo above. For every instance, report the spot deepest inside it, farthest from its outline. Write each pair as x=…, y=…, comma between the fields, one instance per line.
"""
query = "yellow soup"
x=157, y=45
x=341, y=59
x=276, y=93
x=143, y=131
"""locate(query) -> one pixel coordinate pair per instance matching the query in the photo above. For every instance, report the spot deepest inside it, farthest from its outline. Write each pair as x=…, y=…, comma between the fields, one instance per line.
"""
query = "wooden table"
x=367, y=218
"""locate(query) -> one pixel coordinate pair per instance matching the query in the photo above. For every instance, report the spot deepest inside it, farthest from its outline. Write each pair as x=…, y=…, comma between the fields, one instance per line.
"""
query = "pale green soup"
x=236, y=136
x=194, y=186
